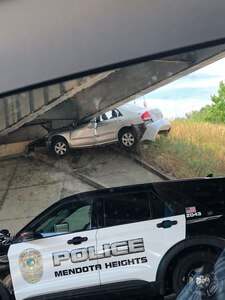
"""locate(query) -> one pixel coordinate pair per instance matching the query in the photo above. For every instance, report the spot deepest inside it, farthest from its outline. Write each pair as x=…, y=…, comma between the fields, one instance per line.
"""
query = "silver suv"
x=128, y=125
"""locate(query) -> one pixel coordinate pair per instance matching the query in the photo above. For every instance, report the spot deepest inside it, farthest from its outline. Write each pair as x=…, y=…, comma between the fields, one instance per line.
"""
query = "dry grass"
x=191, y=149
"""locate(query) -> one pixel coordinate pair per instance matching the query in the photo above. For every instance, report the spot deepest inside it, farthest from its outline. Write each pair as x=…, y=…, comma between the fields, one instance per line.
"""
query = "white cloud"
x=215, y=69
x=177, y=102
x=194, y=83
x=200, y=78
x=172, y=109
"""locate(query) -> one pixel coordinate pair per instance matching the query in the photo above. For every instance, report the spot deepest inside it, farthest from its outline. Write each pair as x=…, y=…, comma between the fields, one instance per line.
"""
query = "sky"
x=188, y=93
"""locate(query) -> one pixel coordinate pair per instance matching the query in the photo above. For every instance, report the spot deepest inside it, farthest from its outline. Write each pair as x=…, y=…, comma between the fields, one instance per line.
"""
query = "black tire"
x=127, y=138
x=4, y=294
x=60, y=147
x=194, y=276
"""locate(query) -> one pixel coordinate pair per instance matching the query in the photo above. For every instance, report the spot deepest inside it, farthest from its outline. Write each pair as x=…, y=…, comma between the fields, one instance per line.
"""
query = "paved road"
x=104, y=165
x=28, y=185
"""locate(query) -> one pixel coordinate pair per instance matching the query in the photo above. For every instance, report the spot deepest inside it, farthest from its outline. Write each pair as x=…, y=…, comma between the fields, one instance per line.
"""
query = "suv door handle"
x=77, y=240
x=166, y=224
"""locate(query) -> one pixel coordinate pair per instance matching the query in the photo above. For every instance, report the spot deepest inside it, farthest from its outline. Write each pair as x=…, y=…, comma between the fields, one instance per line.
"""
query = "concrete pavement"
x=111, y=168
x=30, y=184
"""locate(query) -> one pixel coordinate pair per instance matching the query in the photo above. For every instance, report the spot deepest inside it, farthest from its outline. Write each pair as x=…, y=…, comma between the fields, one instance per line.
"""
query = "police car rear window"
x=123, y=209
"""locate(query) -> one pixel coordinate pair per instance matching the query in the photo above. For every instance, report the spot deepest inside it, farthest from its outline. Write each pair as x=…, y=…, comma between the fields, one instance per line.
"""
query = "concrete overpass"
x=41, y=50
x=81, y=99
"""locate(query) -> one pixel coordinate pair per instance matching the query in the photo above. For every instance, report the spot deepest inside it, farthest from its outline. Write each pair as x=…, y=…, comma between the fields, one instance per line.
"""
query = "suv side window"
x=124, y=209
x=70, y=217
x=109, y=115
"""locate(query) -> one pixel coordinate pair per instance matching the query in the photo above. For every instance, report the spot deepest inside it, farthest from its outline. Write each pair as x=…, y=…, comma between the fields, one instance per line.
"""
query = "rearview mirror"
x=62, y=227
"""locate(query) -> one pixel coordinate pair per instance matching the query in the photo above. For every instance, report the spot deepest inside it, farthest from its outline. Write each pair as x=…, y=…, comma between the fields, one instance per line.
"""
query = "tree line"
x=214, y=113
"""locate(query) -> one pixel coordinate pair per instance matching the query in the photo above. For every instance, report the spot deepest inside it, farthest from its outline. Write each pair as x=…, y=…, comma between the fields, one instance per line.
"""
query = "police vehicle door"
x=132, y=241
x=57, y=260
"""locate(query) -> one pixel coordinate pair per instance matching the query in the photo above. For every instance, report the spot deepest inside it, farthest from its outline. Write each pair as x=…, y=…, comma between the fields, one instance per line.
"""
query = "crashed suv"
x=128, y=125
x=141, y=240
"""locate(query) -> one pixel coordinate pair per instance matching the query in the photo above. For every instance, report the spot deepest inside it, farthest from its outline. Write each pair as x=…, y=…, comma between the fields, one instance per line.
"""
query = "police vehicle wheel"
x=127, y=138
x=4, y=294
x=158, y=298
x=60, y=147
x=7, y=281
x=194, y=276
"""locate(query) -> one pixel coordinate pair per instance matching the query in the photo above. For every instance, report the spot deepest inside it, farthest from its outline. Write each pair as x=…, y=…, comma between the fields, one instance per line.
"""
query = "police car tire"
x=4, y=294
x=184, y=268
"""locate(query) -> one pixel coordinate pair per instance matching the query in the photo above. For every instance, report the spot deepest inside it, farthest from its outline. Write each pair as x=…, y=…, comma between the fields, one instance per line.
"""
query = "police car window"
x=80, y=219
x=70, y=218
x=123, y=209
x=161, y=209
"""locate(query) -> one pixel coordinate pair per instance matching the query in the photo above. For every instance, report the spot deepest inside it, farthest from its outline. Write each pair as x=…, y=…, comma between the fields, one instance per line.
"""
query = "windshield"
x=149, y=160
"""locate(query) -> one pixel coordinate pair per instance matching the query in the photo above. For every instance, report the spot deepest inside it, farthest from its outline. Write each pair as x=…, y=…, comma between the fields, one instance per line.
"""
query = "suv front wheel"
x=127, y=138
x=60, y=147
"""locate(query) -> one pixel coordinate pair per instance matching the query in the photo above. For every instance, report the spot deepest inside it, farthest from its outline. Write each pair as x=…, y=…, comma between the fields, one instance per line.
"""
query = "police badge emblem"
x=31, y=265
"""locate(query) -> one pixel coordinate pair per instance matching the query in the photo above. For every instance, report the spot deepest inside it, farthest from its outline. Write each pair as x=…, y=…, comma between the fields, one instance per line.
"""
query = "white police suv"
x=141, y=240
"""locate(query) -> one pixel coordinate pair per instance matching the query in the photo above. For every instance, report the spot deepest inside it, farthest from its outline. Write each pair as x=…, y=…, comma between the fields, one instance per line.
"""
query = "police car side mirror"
x=4, y=234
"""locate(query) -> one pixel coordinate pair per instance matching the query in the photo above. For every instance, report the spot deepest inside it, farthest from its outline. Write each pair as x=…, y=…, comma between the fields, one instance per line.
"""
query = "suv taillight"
x=146, y=116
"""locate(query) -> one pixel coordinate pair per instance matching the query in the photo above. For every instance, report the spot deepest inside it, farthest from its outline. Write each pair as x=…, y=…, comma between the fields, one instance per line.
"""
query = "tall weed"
x=191, y=149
